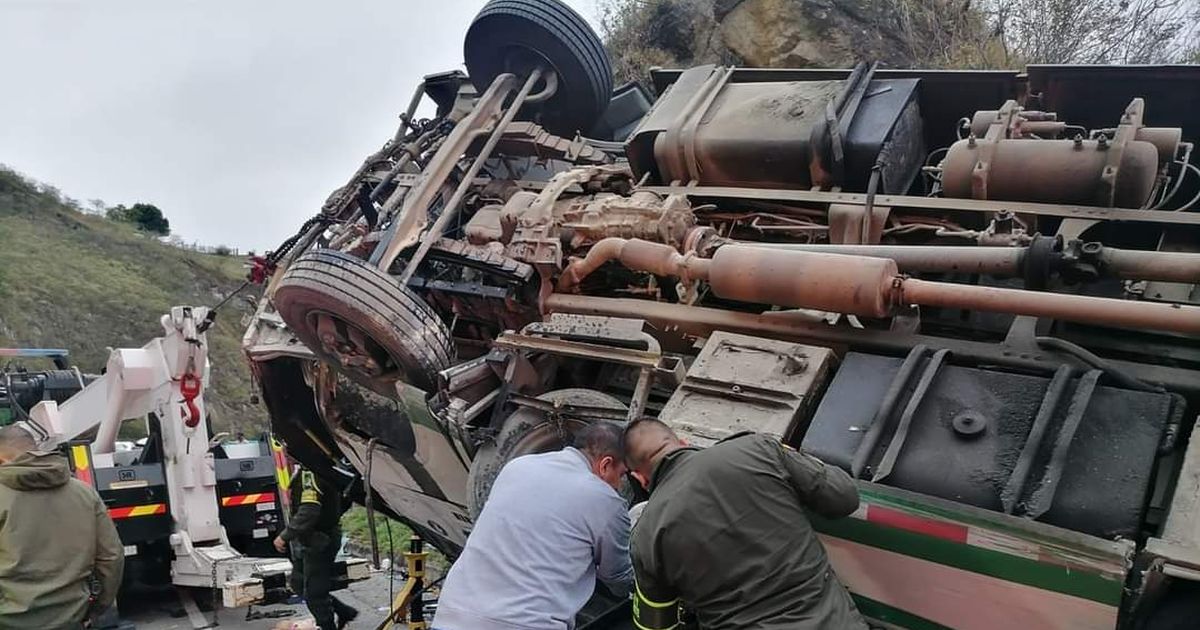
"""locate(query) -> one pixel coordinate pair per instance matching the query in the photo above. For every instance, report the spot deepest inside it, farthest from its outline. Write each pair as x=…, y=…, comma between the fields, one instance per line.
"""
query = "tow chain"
x=262, y=268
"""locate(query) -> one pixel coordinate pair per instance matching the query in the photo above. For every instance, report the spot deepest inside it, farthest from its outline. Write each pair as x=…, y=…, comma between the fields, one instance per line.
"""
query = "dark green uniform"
x=725, y=534
x=314, y=534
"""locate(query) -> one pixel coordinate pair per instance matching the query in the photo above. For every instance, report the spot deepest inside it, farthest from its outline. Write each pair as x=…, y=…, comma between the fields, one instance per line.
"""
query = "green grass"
x=81, y=282
x=354, y=526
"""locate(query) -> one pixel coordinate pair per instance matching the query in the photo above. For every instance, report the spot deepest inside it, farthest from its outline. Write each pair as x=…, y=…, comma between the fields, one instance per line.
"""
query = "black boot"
x=345, y=613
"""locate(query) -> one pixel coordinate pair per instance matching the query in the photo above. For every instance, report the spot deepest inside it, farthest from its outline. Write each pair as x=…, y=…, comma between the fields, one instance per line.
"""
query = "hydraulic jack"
x=411, y=598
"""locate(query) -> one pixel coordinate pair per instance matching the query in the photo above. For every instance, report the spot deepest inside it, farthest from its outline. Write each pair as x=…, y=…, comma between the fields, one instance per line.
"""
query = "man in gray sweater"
x=552, y=525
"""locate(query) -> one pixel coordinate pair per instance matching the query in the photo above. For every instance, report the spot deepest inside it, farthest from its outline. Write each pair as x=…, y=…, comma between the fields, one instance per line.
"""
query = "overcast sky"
x=236, y=117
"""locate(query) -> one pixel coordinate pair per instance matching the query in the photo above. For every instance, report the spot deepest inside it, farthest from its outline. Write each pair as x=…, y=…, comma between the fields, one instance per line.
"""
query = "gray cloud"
x=237, y=118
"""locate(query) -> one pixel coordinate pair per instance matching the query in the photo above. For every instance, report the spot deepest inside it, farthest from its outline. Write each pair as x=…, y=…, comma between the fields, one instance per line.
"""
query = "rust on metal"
x=1127, y=264
x=829, y=282
x=1179, y=318
x=937, y=204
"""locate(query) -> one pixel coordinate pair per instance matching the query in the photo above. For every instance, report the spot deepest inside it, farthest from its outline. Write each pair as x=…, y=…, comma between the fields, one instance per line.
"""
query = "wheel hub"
x=351, y=348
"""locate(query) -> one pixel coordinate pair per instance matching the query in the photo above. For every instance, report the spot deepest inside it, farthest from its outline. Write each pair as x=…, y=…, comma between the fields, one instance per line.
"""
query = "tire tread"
x=419, y=340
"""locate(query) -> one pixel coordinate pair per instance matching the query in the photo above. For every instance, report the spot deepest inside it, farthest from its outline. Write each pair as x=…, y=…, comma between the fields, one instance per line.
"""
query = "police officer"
x=315, y=535
x=726, y=534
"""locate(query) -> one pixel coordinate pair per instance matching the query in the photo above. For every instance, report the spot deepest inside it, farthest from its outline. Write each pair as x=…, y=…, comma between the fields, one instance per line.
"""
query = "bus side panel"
x=919, y=562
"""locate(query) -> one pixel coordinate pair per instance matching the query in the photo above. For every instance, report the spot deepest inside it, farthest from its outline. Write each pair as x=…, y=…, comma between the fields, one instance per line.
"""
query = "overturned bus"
x=976, y=291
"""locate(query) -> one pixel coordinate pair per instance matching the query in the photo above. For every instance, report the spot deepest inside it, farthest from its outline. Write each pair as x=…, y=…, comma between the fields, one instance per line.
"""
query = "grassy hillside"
x=81, y=282
x=355, y=527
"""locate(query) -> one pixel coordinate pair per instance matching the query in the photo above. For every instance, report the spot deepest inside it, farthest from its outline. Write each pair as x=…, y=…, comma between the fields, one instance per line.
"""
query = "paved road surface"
x=161, y=610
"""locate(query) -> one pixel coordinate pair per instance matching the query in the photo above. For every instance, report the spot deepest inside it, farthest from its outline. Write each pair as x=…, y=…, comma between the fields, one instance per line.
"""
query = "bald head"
x=645, y=442
x=14, y=442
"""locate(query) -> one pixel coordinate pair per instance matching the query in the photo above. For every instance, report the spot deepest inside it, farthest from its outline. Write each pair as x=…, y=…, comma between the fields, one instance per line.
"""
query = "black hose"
x=370, y=505
x=869, y=208
x=1079, y=352
x=367, y=206
x=287, y=245
x=1194, y=200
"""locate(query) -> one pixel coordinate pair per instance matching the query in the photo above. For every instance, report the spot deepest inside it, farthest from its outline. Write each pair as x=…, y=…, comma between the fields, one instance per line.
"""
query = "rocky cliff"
x=790, y=33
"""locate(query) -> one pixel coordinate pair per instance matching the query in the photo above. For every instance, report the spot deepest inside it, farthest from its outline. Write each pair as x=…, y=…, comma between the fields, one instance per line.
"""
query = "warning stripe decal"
x=901, y=520
x=986, y=551
x=82, y=463
x=248, y=499
x=152, y=509
x=947, y=530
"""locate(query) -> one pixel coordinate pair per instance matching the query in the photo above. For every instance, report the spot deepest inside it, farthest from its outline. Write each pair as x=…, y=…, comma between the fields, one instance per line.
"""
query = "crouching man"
x=726, y=534
x=552, y=525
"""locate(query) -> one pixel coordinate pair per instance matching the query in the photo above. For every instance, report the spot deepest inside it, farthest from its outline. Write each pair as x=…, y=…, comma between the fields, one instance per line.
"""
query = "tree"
x=1097, y=31
x=146, y=216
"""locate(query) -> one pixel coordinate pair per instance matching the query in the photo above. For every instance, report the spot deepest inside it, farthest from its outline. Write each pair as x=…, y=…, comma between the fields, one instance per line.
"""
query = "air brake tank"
x=1015, y=158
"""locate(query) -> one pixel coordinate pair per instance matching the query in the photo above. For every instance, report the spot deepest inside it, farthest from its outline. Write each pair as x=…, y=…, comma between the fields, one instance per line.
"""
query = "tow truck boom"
x=166, y=377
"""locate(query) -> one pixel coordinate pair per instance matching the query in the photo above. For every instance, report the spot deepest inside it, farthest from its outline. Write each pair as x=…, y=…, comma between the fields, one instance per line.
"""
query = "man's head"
x=14, y=442
x=601, y=442
x=645, y=442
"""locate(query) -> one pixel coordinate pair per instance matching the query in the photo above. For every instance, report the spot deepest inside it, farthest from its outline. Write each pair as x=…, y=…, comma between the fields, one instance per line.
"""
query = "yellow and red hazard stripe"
x=248, y=499
x=81, y=462
x=282, y=475
x=151, y=509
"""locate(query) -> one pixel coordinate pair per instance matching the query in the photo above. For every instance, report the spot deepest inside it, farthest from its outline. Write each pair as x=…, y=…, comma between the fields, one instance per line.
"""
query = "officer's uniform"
x=725, y=534
x=314, y=534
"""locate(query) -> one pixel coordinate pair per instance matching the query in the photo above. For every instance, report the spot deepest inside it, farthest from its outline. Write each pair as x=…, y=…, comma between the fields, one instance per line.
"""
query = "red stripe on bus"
x=917, y=524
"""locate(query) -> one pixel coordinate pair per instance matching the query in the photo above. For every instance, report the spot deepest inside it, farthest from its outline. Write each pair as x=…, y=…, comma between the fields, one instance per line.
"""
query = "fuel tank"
x=1064, y=450
x=716, y=131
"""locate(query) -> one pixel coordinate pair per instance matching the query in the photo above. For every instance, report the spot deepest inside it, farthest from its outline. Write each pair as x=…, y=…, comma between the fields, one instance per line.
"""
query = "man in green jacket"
x=60, y=557
x=726, y=534
x=315, y=533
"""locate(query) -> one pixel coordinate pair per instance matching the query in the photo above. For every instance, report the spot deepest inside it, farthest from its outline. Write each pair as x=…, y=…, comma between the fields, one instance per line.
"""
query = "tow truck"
x=190, y=511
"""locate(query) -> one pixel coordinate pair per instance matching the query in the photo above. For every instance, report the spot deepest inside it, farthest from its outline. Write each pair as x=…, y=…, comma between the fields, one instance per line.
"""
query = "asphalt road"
x=161, y=609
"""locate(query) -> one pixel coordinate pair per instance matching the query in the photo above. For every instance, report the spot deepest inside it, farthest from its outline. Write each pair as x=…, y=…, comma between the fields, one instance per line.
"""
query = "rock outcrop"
x=790, y=33
x=821, y=33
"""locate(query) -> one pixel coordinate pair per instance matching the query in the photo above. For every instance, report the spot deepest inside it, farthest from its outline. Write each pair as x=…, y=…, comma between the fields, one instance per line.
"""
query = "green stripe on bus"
x=975, y=559
x=994, y=522
x=880, y=611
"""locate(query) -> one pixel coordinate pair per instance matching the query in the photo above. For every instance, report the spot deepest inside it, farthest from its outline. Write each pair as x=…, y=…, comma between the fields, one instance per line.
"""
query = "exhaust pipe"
x=1126, y=264
x=868, y=287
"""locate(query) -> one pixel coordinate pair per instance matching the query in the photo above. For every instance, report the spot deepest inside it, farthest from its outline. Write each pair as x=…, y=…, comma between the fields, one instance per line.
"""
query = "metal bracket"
x=1131, y=121
x=604, y=339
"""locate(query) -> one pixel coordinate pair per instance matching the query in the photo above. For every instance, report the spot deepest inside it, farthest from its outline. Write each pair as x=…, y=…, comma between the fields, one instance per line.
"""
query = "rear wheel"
x=516, y=35
x=529, y=431
x=362, y=322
